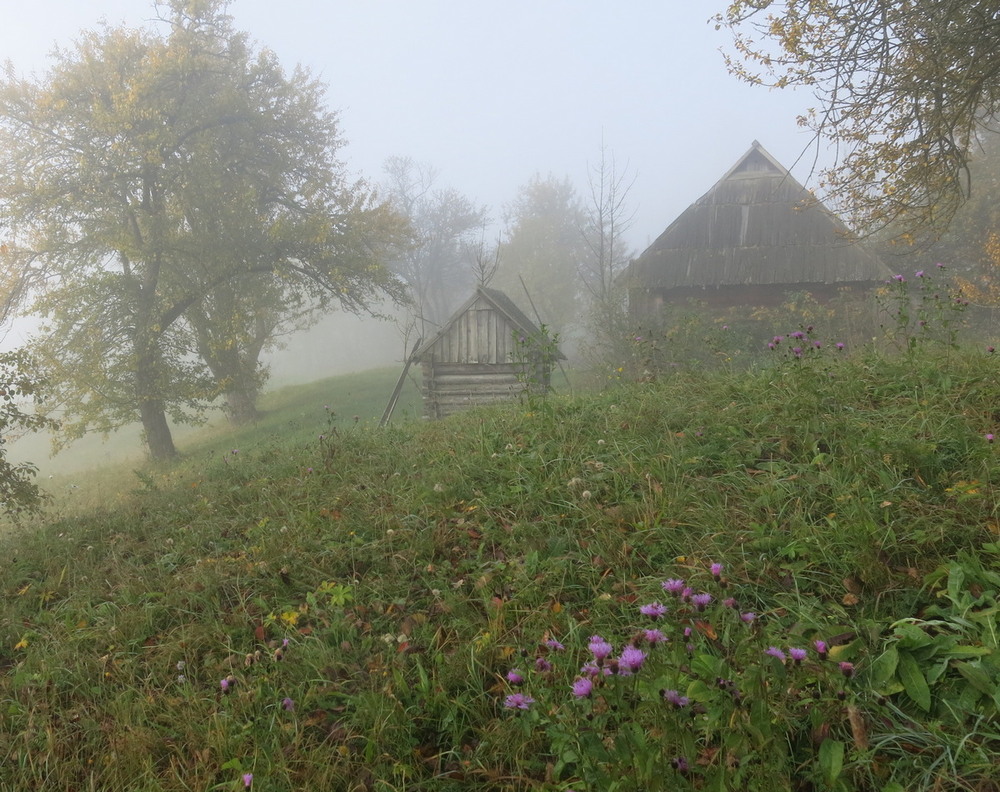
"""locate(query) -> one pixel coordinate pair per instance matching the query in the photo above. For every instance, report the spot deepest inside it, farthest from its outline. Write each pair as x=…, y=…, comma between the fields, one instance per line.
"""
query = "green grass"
x=409, y=569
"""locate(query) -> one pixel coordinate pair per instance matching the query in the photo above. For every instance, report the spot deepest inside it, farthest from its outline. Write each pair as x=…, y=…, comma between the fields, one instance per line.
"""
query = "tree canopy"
x=544, y=247
x=902, y=85
x=19, y=387
x=144, y=172
x=438, y=263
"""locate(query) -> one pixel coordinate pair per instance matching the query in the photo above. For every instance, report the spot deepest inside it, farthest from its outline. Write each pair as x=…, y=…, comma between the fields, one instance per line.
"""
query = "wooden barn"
x=488, y=351
x=754, y=238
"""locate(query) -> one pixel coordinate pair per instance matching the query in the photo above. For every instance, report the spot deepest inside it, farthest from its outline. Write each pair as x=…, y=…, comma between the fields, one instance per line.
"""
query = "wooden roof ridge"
x=756, y=147
x=501, y=302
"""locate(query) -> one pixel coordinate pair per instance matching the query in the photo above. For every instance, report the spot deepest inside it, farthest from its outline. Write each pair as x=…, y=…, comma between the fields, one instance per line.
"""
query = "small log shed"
x=487, y=352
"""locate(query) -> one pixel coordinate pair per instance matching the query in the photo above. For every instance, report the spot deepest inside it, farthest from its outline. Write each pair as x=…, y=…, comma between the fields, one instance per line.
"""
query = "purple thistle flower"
x=748, y=617
x=797, y=654
x=770, y=345
x=225, y=684
x=686, y=593
x=655, y=636
x=840, y=345
x=774, y=651
x=675, y=698
x=919, y=273
x=847, y=669
x=989, y=437
x=687, y=632
x=515, y=677
x=542, y=665
x=899, y=278
x=599, y=647
x=553, y=644
x=631, y=660
x=287, y=704
x=716, y=570
x=798, y=335
x=939, y=265
x=518, y=701
x=590, y=669
x=778, y=339
x=680, y=764
x=797, y=351
x=821, y=648
x=700, y=601
x=654, y=610
x=248, y=780
x=673, y=585
x=583, y=687
x=729, y=602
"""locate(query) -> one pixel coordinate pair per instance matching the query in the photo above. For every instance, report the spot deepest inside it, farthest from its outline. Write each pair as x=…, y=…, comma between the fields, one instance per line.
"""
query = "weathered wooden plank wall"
x=449, y=388
x=480, y=335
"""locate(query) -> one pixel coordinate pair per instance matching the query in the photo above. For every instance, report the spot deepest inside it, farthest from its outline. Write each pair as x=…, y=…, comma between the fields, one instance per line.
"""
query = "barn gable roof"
x=498, y=301
x=756, y=226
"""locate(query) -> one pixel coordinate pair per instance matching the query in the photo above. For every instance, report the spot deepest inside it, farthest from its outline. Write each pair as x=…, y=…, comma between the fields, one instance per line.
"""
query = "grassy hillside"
x=290, y=410
x=777, y=580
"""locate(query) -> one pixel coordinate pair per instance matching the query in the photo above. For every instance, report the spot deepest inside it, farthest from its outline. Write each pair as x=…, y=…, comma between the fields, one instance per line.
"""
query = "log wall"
x=449, y=388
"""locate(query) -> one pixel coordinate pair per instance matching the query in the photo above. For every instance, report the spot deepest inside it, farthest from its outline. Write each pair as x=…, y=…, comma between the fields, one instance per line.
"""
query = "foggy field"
x=320, y=604
x=292, y=411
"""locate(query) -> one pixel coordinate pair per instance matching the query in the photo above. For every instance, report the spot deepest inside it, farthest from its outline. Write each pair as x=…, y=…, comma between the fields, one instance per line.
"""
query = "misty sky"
x=491, y=92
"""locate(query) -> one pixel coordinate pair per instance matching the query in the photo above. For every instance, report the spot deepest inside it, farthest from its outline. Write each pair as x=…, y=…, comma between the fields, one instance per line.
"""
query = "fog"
x=338, y=344
x=490, y=95
x=493, y=93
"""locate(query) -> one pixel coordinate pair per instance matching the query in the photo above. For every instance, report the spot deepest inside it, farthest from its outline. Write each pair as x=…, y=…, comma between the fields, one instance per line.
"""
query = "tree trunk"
x=152, y=410
x=241, y=406
x=156, y=431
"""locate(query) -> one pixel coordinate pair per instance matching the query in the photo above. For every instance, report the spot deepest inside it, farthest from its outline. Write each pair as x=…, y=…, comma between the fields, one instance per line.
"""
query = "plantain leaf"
x=914, y=681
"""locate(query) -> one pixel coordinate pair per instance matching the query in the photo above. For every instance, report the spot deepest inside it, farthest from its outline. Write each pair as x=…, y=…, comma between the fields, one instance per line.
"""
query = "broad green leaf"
x=976, y=676
x=884, y=668
x=699, y=691
x=913, y=681
x=910, y=636
x=969, y=651
x=831, y=759
x=706, y=665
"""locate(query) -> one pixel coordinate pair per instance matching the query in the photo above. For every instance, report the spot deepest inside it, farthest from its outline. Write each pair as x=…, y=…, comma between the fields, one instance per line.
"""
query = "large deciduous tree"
x=902, y=87
x=143, y=175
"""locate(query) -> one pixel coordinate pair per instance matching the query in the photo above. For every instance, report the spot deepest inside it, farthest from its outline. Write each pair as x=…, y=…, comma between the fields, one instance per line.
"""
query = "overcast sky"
x=492, y=92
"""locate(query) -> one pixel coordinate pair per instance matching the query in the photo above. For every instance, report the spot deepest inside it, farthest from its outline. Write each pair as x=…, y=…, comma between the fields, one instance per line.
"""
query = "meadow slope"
x=781, y=579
